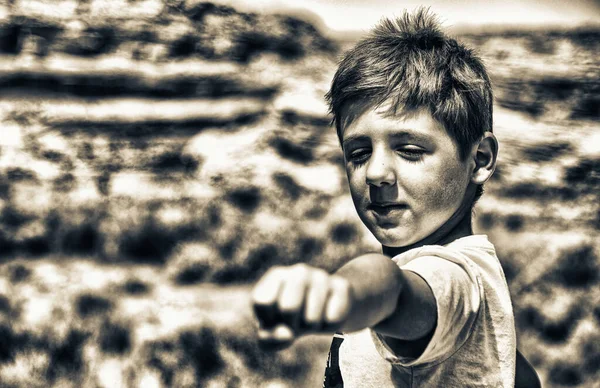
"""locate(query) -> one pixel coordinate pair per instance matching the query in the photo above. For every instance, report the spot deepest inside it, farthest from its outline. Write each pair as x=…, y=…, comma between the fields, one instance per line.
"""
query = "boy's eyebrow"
x=405, y=134
x=411, y=135
x=353, y=138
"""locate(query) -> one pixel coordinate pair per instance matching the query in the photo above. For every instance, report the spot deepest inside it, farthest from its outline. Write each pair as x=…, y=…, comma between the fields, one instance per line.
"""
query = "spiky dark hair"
x=408, y=63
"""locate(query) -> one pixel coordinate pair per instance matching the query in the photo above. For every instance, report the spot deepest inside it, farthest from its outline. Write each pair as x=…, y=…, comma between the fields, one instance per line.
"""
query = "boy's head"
x=413, y=112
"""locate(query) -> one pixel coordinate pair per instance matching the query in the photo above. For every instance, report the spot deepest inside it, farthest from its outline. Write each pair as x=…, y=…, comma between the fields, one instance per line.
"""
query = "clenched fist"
x=296, y=300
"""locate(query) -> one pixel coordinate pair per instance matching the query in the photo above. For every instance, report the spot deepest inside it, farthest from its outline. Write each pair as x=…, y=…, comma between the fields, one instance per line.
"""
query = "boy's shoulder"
x=476, y=245
x=469, y=260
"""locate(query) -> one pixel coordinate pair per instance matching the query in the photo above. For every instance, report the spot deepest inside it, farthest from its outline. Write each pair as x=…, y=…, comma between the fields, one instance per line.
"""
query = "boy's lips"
x=386, y=208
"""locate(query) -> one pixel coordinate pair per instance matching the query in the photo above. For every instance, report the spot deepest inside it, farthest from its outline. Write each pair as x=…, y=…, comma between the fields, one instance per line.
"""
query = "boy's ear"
x=485, y=154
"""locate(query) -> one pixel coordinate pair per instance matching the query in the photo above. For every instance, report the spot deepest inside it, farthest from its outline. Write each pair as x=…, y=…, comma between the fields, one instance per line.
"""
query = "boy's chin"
x=394, y=238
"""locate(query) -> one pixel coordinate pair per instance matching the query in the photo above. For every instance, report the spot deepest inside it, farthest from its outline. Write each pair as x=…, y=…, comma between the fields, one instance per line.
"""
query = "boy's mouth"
x=386, y=208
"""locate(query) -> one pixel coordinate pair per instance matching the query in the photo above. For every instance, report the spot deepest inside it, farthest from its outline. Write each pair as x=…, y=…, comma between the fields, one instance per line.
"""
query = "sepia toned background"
x=157, y=156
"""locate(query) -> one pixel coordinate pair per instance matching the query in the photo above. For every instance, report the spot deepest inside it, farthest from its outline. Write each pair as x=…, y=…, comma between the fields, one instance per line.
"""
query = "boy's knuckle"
x=287, y=307
x=319, y=276
x=312, y=320
x=274, y=271
x=301, y=270
x=256, y=296
x=340, y=283
x=301, y=267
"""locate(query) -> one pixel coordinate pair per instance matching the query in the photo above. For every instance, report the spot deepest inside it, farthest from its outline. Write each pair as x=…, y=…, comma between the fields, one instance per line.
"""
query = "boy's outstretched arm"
x=369, y=291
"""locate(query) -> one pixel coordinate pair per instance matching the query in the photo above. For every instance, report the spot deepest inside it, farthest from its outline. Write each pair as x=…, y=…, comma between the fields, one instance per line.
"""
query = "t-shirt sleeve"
x=455, y=286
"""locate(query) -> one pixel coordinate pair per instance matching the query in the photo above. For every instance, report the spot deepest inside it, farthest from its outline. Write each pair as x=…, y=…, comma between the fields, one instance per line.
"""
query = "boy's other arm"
x=369, y=291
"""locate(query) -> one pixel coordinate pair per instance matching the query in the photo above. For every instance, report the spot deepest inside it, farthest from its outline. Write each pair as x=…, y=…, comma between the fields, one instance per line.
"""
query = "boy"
x=413, y=112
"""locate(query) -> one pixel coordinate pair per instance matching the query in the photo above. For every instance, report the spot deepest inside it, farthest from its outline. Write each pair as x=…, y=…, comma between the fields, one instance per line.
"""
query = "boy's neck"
x=457, y=226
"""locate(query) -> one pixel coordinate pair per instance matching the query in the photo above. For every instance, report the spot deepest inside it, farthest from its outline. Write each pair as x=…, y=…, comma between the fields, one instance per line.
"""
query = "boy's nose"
x=380, y=171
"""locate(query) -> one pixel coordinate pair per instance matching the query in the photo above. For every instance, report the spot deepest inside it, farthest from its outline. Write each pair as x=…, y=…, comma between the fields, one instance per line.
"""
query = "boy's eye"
x=359, y=156
x=411, y=152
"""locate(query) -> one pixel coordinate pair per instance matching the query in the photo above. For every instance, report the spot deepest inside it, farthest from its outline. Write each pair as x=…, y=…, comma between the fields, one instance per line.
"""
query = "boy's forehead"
x=364, y=120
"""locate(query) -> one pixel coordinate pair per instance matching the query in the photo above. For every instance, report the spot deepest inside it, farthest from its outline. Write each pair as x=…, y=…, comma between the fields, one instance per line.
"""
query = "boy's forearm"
x=376, y=283
x=394, y=302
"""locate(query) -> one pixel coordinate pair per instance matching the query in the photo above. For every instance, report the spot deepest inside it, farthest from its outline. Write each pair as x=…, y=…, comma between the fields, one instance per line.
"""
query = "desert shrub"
x=521, y=190
x=135, y=287
x=291, y=151
x=94, y=41
x=318, y=209
x=291, y=117
x=198, y=349
x=249, y=44
x=595, y=220
x=514, y=222
x=171, y=162
x=521, y=98
x=577, y=267
x=5, y=307
x=115, y=338
x=64, y=183
x=88, y=305
x=53, y=156
x=541, y=45
x=19, y=174
x=228, y=249
x=183, y=47
x=308, y=248
x=565, y=374
x=147, y=243
x=85, y=151
x=10, y=38
x=590, y=353
x=252, y=266
x=343, y=233
x=531, y=96
x=247, y=348
x=246, y=199
x=530, y=190
x=557, y=89
x=161, y=355
x=587, y=107
x=231, y=274
x=66, y=356
x=81, y=239
x=486, y=220
x=8, y=246
x=36, y=245
x=4, y=186
x=18, y=273
x=289, y=48
x=7, y=343
x=291, y=363
x=192, y=274
x=551, y=327
x=262, y=258
x=586, y=173
x=556, y=332
x=198, y=11
x=547, y=151
x=201, y=350
x=289, y=186
x=103, y=183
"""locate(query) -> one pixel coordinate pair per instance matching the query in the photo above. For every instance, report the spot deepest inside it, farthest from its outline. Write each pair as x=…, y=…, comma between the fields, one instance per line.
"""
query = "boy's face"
x=405, y=175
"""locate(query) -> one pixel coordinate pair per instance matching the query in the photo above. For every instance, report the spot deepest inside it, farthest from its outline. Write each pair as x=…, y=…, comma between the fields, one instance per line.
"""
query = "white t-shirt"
x=474, y=342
